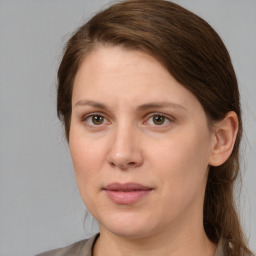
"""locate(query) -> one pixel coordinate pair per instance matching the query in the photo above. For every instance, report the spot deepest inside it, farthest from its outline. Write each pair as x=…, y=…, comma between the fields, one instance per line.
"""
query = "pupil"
x=97, y=119
x=159, y=120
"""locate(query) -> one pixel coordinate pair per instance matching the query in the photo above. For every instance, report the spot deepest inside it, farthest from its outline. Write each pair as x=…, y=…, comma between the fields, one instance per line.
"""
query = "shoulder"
x=81, y=248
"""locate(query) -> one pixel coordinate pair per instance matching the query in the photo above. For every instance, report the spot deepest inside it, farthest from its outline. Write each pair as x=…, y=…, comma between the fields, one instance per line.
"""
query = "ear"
x=224, y=137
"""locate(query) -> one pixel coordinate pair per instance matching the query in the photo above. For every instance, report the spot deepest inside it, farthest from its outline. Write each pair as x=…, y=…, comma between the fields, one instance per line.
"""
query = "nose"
x=125, y=150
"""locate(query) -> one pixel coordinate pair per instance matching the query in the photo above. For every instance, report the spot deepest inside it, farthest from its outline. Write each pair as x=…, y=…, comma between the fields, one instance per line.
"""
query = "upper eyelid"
x=171, y=118
x=93, y=114
x=148, y=114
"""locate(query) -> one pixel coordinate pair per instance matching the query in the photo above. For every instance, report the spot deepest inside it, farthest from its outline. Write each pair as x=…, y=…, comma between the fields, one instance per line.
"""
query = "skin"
x=128, y=145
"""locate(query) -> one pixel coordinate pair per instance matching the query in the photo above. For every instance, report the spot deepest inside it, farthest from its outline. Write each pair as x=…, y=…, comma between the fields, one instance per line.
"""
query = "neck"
x=192, y=242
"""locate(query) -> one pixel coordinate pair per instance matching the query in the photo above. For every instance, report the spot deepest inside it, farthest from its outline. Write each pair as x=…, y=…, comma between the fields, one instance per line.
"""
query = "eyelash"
x=167, y=118
x=86, y=117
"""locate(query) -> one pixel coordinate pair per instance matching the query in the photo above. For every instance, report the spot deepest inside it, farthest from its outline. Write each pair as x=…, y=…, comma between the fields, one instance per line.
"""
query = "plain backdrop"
x=40, y=207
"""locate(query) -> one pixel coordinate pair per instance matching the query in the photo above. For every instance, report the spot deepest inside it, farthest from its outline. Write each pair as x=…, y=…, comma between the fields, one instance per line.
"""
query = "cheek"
x=87, y=156
x=181, y=165
x=86, y=150
x=181, y=150
x=86, y=163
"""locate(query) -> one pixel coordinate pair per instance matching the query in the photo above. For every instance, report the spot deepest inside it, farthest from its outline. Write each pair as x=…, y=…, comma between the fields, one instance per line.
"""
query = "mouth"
x=127, y=193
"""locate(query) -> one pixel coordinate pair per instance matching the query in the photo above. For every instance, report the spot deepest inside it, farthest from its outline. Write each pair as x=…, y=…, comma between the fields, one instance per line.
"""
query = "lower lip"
x=126, y=197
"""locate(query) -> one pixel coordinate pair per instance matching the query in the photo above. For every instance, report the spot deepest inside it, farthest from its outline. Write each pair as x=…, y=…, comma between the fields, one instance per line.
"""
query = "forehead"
x=115, y=73
x=111, y=59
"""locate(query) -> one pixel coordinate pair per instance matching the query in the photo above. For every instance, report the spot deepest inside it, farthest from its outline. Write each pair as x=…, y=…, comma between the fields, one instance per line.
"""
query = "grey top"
x=84, y=248
x=81, y=248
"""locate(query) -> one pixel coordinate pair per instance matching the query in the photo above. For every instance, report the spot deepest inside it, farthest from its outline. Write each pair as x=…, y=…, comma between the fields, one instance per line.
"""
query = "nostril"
x=125, y=160
x=122, y=165
x=131, y=163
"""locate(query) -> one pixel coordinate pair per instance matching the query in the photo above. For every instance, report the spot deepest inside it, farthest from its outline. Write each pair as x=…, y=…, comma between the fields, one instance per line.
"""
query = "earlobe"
x=224, y=137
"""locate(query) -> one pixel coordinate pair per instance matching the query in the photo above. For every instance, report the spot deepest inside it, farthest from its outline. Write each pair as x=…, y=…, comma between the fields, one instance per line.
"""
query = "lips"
x=126, y=194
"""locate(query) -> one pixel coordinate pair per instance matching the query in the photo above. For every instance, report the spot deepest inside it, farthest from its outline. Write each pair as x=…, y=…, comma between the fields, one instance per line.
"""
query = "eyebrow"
x=90, y=103
x=160, y=105
x=146, y=106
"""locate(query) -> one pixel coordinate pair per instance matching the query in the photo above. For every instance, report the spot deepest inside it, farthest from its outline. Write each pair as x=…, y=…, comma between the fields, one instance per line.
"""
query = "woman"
x=150, y=104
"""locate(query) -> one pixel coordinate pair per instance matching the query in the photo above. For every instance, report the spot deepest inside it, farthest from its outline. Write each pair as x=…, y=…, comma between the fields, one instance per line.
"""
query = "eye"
x=95, y=120
x=158, y=120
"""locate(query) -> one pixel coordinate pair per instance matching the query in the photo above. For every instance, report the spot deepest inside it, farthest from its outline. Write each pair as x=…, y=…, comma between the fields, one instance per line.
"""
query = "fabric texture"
x=84, y=248
x=81, y=248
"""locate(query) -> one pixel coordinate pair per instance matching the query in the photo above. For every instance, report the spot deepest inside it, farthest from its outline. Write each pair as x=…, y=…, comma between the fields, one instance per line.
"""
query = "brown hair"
x=197, y=58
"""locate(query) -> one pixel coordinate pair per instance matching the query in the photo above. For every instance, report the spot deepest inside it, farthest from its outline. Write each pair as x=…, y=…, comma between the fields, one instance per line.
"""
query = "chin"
x=129, y=232
x=128, y=226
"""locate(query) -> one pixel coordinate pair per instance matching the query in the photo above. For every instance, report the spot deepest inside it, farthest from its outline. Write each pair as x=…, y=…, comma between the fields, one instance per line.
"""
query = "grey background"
x=40, y=207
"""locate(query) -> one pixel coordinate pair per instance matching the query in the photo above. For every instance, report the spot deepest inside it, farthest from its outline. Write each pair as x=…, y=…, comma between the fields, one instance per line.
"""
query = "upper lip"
x=126, y=187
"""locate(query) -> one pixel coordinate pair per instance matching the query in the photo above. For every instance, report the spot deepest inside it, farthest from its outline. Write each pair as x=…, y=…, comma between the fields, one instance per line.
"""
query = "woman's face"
x=140, y=144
